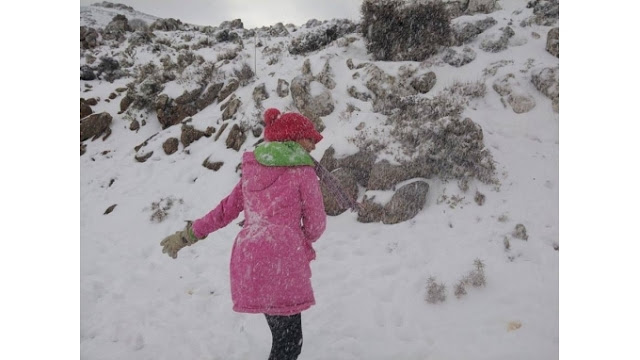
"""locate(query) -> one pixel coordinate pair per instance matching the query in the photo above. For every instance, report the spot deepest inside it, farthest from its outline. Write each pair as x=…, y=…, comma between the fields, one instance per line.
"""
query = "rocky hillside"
x=164, y=85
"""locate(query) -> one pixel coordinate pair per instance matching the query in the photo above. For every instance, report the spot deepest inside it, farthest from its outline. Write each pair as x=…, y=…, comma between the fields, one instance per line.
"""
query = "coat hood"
x=258, y=177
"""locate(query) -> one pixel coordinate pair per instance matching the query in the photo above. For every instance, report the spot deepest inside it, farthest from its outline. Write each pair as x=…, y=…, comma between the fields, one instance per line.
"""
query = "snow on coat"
x=284, y=215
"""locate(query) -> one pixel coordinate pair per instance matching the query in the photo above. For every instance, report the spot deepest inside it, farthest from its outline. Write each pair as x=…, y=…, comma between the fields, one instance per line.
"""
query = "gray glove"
x=173, y=243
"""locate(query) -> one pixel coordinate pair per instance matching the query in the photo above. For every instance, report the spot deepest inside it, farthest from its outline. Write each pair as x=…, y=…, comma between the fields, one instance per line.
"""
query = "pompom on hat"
x=288, y=127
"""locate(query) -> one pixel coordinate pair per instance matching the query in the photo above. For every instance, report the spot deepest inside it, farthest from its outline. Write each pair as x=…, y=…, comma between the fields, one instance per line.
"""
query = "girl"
x=284, y=214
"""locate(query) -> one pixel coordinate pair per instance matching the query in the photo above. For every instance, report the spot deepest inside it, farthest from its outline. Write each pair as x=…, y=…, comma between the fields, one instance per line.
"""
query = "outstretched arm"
x=227, y=210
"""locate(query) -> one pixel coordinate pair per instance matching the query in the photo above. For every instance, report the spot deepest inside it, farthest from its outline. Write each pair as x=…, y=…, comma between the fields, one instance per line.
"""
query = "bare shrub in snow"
x=475, y=278
x=229, y=54
x=160, y=209
x=435, y=291
x=507, y=243
x=460, y=289
x=245, y=74
x=520, y=232
x=399, y=31
x=109, y=68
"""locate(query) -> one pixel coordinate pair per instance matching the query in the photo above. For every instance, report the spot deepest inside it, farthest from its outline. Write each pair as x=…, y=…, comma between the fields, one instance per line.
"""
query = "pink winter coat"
x=284, y=214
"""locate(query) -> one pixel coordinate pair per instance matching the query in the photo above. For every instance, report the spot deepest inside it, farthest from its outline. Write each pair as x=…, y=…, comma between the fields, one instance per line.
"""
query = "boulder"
x=209, y=95
x=456, y=59
x=321, y=104
x=85, y=109
x=359, y=164
x=521, y=103
x=116, y=29
x=467, y=32
x=514, y=94
x=125, y=103
x=328, y=160
x=188, y=97
x=406, y=202
x=384, y=176
x=481, y=6
x=215, y=166
x=222, y=129
x=231, y=86
x=278, y=30
x=260, y=93
x=311, y=106
x=236, y=138
x=88, y=37
x=189, y=135
x=545, y=12
x=231, y=108
x=370, y=211
x=170, y=113
x=325, y=77
x=553, y=42
x=170, y=145
x=547, y=81
x=283, y=88
x=143, y=158
x=95, y=125
x=424, y=82
x=86, y=73
x=348, y=182
x=166, y=25
x=490, y=45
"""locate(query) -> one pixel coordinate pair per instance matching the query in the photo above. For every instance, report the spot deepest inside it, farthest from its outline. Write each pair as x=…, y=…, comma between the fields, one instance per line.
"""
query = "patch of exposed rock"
x=545, y=12
x=513, y=93
x=458, y=59
x=237, y=136
x=553, y=42
x=467, y=32
x=348, y=182
x=170, y=145
x=406, y=203
x=424, y=82
x=173, y=111
x=547, y=81
x=95, y=125
x=85, y=109
x=189, y=134
x=283, y=88
x=500, y=44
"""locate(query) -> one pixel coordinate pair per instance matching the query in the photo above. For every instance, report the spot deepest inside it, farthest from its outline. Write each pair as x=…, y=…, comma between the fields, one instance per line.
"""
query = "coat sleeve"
x=314, y=219
x=227, y=210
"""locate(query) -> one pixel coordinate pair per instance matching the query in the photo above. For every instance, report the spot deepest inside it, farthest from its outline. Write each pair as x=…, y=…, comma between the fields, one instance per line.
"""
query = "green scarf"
x=288, y=153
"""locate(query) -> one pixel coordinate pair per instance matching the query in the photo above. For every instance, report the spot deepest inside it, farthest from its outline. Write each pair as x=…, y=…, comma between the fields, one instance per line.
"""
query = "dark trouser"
x=286, y=333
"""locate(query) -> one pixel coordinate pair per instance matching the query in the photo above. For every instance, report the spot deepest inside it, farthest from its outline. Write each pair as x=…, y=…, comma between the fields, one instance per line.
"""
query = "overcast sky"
x=254, y=13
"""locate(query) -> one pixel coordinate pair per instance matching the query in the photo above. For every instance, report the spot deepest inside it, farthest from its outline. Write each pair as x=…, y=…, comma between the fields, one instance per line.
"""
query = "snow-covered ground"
x=369, y=279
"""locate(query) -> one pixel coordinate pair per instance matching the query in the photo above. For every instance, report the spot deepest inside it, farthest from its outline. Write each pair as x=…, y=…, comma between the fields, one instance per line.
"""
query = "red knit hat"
x=288, y=127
